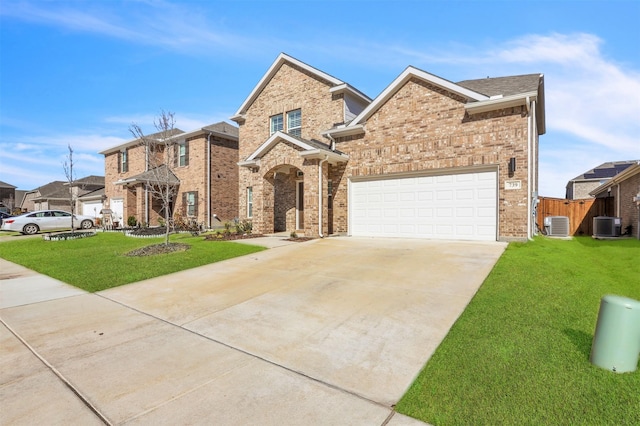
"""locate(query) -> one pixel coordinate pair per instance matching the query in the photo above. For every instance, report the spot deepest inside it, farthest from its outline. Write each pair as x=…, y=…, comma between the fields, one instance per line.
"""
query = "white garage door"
x=454, y=207
x=92, y=208
x=117, y=206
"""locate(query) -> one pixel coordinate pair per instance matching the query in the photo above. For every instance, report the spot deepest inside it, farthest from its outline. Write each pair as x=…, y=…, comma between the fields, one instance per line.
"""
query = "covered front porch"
x=288, y=186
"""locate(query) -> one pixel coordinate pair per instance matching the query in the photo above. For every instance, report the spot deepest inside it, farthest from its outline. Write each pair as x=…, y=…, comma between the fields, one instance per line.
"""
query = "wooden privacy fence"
x=579, y=212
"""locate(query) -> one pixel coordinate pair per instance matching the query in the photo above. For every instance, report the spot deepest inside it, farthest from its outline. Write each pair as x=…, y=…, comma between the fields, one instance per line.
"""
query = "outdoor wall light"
x=512, y=166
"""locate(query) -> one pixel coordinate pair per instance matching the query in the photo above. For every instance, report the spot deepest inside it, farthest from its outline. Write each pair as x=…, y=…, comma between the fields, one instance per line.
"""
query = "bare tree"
x=159, y=148
x=67, y=166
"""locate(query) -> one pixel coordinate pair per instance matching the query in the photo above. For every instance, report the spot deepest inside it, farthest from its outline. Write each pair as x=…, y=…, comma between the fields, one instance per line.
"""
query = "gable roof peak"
x=273, y=69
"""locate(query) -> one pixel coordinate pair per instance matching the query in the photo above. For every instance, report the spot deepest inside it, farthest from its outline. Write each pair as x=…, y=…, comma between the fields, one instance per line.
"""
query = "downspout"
x=146, y=186
x=529, y=163
x=320, y=192
x=209, y=181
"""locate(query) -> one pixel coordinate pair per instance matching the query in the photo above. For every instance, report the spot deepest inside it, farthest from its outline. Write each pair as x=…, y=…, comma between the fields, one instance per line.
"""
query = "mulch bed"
x=158, y=249
x=230, y=237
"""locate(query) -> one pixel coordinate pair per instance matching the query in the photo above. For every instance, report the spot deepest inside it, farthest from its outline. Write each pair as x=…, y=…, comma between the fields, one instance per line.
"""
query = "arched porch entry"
x=284, y=199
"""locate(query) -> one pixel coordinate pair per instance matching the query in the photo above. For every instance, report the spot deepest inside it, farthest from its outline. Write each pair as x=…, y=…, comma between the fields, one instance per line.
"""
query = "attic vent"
x=604, y=226
x=557, y=226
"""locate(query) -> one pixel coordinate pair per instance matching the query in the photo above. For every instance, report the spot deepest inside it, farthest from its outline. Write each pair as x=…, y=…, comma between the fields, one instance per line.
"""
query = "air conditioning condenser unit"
x=605, y=226
x=557, y=226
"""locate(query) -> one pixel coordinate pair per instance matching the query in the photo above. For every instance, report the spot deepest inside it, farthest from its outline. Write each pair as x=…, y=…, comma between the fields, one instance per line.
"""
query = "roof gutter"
x=340, y=132
x=332, y=157
x=504, y=102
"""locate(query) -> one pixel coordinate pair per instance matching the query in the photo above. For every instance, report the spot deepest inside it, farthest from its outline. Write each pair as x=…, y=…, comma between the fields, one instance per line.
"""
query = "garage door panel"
x=456, y=206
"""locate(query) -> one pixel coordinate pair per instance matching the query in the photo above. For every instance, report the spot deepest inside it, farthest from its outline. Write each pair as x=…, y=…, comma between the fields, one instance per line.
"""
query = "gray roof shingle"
x=605, y=170
x=504, y=86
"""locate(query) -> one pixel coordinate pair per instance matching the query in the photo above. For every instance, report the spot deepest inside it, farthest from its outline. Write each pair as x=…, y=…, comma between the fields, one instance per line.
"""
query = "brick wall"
x=193, y=178
x=628, y=208
x=290, y=88
x=581, y=189
x=424, y=128
x=224, y=178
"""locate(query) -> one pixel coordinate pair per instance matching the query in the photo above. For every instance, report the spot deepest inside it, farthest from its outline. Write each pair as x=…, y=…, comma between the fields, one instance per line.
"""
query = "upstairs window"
x=276, y=124
x=182, y=154
x=294, y=122
x=123, y=164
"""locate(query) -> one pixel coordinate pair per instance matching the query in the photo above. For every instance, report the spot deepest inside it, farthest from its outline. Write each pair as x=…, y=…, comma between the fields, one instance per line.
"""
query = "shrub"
x=132, y=221
x=244, y=227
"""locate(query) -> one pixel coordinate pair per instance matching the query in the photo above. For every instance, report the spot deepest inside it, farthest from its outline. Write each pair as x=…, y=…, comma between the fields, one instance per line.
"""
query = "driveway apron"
x=329, y=331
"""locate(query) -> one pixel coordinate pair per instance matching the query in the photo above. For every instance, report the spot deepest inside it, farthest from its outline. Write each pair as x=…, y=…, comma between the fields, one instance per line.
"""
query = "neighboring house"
x=7, y=197
x=55, y=195
x=204, y=171
x=625, y=190
x=427, y=158
x=89, y=195
x=579, y=187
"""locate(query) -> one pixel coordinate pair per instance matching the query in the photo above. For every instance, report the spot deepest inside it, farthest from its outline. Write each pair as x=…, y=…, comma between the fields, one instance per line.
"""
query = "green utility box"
x=616, y=343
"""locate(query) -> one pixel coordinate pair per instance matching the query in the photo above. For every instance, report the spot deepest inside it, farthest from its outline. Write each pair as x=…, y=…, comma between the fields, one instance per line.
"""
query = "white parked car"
x=45, y=220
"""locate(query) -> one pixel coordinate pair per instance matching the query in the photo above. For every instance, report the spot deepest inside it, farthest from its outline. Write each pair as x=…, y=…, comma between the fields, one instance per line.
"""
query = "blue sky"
x=80, y=73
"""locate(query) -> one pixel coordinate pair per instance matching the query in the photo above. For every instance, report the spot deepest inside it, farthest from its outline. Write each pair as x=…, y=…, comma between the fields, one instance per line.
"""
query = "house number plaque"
x=512, y=184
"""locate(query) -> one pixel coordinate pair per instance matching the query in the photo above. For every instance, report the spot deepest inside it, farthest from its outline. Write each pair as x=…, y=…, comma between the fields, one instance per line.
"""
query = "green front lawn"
x=98, y=263
x=519, y=354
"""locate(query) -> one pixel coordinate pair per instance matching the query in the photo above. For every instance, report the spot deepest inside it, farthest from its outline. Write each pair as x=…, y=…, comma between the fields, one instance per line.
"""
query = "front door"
x=299, y=205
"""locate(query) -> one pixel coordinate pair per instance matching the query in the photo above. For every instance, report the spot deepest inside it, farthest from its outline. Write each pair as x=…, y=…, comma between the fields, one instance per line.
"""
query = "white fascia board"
x=238, y=118
x=321, y=154
x=124, y=181
x=402, y=79
x=281, y=59
x=345, y=131
x=273, y=140
x=504, y=102
x=120, y=147
x=249, y=163
x=346, y=88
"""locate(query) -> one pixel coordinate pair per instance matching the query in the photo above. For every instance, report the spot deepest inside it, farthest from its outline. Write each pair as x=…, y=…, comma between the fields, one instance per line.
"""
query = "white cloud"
x=158, y=23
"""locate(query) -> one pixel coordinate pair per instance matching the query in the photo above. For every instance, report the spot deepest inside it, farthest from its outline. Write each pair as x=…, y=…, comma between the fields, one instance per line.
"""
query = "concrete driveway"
x=330, y=331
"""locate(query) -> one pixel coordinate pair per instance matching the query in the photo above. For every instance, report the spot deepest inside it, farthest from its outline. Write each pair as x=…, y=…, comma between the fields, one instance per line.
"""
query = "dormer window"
x=294, y=122
x=276, y=124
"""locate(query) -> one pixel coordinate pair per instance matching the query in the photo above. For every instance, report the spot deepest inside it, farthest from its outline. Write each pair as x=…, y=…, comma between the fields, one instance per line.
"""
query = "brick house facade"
x=625, y=190
x=319, y=157
x=204, y=171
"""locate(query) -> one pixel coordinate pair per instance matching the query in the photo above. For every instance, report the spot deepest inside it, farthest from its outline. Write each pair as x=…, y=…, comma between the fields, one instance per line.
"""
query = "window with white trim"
x=191, y=202
x=249, y=202
x=294, y=122
x=124, y=161
x=276, y=124
x=182, y=154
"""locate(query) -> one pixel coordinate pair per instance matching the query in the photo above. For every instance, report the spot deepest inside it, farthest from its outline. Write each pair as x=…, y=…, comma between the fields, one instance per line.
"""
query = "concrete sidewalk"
x=276, y=337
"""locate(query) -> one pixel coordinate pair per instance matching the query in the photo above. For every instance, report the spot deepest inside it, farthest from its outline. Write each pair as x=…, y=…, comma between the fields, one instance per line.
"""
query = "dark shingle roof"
x=223, y=127
x=605, y=170
x=55, y=189
x=153, y=175
x=6, y=185
x=504, y=86
x=90, y=180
